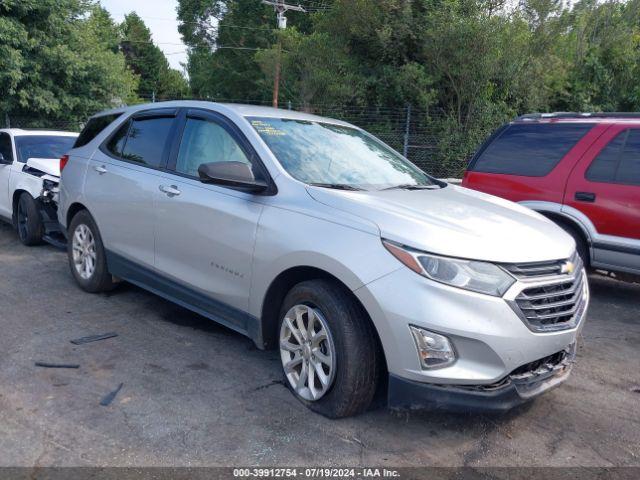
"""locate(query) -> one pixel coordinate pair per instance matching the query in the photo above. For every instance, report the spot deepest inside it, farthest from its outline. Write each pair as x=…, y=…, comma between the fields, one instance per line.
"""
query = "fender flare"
x=569, y=214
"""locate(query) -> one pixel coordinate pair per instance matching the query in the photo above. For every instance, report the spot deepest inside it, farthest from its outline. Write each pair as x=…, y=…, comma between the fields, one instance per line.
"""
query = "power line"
x=151, y=42
x=225, y=25
x=216, y=47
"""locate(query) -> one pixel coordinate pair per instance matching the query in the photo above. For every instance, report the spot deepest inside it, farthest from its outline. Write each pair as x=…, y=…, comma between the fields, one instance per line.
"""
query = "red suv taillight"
x=63, y=162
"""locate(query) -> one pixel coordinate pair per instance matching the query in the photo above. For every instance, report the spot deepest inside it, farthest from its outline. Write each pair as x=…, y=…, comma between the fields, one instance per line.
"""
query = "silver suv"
x=312, y=237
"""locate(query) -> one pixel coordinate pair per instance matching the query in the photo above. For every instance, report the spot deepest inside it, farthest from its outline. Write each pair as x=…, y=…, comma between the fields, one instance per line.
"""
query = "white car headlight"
x=477, y=276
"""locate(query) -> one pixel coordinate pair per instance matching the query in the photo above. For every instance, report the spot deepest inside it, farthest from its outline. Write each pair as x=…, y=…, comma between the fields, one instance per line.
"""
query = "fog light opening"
x=434, y=350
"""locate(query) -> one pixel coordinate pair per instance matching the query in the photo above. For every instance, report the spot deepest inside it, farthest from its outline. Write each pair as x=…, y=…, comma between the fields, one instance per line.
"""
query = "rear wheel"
x=87, y=259
x=28, y=221
x=328, y=349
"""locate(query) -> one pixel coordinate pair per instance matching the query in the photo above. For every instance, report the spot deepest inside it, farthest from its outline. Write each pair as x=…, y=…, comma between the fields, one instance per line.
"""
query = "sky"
x=160, y=17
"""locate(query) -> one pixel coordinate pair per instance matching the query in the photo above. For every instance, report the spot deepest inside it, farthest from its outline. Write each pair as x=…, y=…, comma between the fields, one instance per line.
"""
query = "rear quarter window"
x=531, y=150
x=93, y=128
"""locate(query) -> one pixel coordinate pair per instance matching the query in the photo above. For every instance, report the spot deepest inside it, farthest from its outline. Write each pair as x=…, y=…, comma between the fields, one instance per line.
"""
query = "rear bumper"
x=513, y=390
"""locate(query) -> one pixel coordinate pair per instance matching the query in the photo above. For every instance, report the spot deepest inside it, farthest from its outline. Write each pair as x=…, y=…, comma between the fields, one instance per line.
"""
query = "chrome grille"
x=535, y=269
x=556, y=304
x=539, y=269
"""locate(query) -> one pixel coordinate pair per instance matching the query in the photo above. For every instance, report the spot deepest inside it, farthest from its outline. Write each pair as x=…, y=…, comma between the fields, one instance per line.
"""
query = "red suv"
x=580, y=170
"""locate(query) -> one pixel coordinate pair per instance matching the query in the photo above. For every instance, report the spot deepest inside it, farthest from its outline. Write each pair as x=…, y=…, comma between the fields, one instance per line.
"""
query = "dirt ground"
x=197, y=394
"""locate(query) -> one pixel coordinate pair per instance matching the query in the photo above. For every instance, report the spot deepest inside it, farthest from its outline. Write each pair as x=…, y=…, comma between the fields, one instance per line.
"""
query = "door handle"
x=100, y=169
x=585, y=197
x=170, y=190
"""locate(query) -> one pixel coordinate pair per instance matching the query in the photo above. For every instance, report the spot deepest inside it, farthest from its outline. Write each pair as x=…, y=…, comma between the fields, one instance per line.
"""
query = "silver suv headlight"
x=481, y=277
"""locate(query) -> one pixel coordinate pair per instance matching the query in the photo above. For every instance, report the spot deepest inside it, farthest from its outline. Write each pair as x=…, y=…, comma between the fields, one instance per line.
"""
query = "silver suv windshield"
x=336, y=156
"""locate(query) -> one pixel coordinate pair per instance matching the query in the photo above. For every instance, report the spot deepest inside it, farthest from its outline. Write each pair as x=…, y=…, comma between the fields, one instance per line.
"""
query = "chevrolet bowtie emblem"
x=568, y=268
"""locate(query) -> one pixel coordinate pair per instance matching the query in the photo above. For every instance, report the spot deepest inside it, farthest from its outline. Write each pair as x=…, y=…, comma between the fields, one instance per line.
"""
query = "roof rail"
x=540, y=116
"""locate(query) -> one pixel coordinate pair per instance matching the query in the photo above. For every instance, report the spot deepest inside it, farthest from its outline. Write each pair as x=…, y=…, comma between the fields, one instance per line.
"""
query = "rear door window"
x=531, y=150
x=146, y=140
x=603, y=168
x=619, y=161
x=629, y=169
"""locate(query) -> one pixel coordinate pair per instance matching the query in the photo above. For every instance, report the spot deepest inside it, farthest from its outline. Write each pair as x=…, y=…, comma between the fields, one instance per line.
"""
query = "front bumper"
x=521, y=386
x=48, y=204
x=492, y=343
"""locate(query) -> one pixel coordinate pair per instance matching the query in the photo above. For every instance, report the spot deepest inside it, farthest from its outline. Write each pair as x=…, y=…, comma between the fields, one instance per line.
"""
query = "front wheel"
x=87, y=259
x=328, y=349
x=28, y=220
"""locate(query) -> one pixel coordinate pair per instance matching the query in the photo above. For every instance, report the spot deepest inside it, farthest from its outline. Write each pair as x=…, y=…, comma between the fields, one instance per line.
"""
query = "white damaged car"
x=29, y=178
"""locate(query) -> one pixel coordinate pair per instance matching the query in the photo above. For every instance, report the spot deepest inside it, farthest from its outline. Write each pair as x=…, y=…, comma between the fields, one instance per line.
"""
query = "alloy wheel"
x=307, y=352
x=83, y=246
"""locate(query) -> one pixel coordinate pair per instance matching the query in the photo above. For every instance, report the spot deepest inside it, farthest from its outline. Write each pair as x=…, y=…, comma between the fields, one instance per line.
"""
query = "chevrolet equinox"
x=312, y=237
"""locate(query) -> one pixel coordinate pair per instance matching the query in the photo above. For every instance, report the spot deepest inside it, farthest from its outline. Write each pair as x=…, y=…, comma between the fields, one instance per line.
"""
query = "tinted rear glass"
x=42, y=146
x=603, y=167
x=116, y=142
x=529, y=150
x=629, y=170
x=619, y=161
x=146, y=140
x=93, y=128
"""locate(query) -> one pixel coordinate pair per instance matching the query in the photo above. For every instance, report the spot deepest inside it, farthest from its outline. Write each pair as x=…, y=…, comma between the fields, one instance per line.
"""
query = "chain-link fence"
x=410, y=131
x=40, y=123
x=415, y=133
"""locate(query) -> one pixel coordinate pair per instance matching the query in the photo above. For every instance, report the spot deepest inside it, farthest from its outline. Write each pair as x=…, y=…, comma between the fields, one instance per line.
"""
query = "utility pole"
x=281, y=8
x=407, y=132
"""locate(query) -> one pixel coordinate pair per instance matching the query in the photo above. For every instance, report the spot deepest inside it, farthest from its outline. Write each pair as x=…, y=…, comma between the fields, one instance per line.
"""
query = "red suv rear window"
x=531, y=150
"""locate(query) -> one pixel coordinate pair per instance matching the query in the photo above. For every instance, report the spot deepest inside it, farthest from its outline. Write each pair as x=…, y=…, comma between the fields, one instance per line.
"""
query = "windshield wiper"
x=336, y=186
x=412, y=186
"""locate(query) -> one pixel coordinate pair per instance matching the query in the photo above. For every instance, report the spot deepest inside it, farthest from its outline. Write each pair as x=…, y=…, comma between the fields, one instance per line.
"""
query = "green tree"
x=603, y=53
x=148, y=61
x=223, y=37
x=466, y=66
x=59, y=61
x=314, y=70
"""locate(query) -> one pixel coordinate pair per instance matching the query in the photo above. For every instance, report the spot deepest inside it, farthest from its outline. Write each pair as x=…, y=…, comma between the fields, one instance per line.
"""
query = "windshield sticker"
x=267, y=129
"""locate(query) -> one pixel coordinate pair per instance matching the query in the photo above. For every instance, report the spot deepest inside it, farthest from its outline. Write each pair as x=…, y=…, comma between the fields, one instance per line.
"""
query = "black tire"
x=28, y=220
x=356, y=348
x=100, y=279
x=581, y=245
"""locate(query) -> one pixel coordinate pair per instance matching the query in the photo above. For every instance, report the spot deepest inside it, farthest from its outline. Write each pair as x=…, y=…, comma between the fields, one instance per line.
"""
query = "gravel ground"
x=197, y=394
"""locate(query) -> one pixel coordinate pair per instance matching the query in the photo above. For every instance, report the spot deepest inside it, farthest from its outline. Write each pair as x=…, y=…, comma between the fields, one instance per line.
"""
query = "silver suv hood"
x=456, y=221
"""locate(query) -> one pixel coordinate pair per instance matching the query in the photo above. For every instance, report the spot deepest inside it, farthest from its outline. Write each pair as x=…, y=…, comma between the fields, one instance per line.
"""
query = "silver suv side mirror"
x=231, y=174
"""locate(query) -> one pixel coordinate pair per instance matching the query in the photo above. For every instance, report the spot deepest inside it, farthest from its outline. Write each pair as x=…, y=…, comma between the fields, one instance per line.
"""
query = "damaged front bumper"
x=50, y=190
x=520, y=386
x=48, y=204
